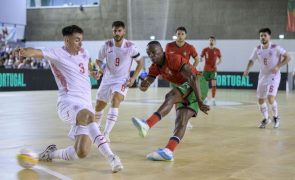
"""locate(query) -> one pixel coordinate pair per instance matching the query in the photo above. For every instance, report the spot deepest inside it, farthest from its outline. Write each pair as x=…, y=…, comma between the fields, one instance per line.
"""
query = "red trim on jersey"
x=60, y=77
x=128, y=44
x=110, y=43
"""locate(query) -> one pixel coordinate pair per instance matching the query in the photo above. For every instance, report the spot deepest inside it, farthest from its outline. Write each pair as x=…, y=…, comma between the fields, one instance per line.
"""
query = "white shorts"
x=68, y=110
x=269, y=88
x=105, y=90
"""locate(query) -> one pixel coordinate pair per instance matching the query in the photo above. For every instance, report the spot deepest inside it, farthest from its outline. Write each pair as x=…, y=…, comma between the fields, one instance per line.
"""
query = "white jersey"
x=118, y=59
x=71, y=74
x=268, y=59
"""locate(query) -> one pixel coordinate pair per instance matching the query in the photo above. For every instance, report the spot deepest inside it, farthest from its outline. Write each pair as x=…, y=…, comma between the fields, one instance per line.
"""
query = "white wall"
x=14, y=12
x=235, y=53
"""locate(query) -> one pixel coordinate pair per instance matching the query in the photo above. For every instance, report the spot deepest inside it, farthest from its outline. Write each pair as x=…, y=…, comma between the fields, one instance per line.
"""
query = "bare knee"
x=85, y=117
x=261, y=101
x=169, y=98
x=100, y=105
x=271, y=99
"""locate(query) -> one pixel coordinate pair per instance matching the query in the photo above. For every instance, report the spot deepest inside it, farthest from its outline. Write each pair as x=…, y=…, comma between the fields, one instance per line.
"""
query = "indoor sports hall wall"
x=235, y=53
x=226, y=19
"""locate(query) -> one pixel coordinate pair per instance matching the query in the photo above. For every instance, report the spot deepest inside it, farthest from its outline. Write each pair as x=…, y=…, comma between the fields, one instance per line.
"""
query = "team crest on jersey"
x=184, y=53
x=167, y=71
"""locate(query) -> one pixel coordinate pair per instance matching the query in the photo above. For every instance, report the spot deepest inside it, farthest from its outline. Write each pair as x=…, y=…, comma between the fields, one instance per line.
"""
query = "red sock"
x=173, y=142
x=213, y=91
x=151, y=121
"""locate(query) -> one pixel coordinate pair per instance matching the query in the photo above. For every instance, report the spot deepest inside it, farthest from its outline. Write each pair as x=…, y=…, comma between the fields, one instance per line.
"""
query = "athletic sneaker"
x=206, y=101
x=107, y=136
x=116, y=163
x=46, y=154
x=276, y=122
x=141, y=126
x=189, y=125
x=161, y=155
x=213, y=102
x=264, y=122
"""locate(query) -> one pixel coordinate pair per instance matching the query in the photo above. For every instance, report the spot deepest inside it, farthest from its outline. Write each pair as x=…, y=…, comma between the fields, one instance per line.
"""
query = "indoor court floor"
x=226, y=144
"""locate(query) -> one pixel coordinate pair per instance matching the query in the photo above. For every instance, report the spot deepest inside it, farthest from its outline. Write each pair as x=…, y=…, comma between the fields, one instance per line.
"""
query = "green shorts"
x=191, y=100
x=209, y=75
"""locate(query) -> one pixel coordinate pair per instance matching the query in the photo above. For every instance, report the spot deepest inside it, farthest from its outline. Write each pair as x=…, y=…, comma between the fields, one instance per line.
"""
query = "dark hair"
x=265, y=30
x=212, y=37
x=157, y=43
x=181, y=28
x=118, y=24
x=70, y=30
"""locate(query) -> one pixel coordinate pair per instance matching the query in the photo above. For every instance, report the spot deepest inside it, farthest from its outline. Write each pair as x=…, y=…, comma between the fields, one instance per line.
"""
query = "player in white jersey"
x=69, y=65
x=118, y=54
x=271, y=58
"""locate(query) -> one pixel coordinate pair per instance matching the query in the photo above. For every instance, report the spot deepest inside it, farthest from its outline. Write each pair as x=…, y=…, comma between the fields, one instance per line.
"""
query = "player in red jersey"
x=187, y=96
x=186, y=50
x=212, y=57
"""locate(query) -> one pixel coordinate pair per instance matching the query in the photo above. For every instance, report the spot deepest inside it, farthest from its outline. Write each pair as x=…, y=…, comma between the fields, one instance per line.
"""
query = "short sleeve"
x=219, y=53
x=281, y=50
x=193, y=52
x=102, y=53
x=153, y=71
x=135, y=53
x=254, y=56
x=203, y=52
x=50, y=54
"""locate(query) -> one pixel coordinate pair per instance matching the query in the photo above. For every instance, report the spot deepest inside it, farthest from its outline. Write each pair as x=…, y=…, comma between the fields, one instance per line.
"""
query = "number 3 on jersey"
x=117, y=62
x=82, y=69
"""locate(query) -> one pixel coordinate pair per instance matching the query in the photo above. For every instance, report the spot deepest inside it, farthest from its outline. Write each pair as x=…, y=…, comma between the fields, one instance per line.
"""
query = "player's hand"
x=96, y=74
x=246, y=73
x=144, y=85
x=275, y=69
x=130, y=82
x=203, y=107
x=18, y=52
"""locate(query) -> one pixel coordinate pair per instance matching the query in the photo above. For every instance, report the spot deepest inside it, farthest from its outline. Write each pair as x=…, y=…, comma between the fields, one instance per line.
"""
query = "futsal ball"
x=27, y=158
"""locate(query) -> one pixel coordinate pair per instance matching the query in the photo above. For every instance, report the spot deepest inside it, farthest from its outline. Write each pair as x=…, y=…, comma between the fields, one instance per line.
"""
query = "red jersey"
x=210, y=58
x=185, y=51
x=170, y=70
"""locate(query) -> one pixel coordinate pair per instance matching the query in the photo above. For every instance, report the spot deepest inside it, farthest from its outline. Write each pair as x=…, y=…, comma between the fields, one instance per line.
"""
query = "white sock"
x=68, y=154
x=98, y=139
x=274, y=108
x=264, y=110
x=98, y=117
x=111, y=120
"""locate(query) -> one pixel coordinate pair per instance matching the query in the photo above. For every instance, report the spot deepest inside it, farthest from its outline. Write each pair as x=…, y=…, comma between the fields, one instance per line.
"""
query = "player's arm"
x=197, y=60
x=29, y=52
x=249, y=66
x=145, y=84
x=194, y=84
x=93, y=72
x=285, y=60
x=136, y=72
x=219, y=61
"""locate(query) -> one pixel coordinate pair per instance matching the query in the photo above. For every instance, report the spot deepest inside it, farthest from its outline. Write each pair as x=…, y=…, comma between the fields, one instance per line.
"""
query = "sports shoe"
x=206, y=101
x=107, y=136
x=46, y=154
x=213, y=102
x=189, y=125
x=141, y=126
x=116, y=163
x=264, y=122
x=161, y=155
x=276, y=121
